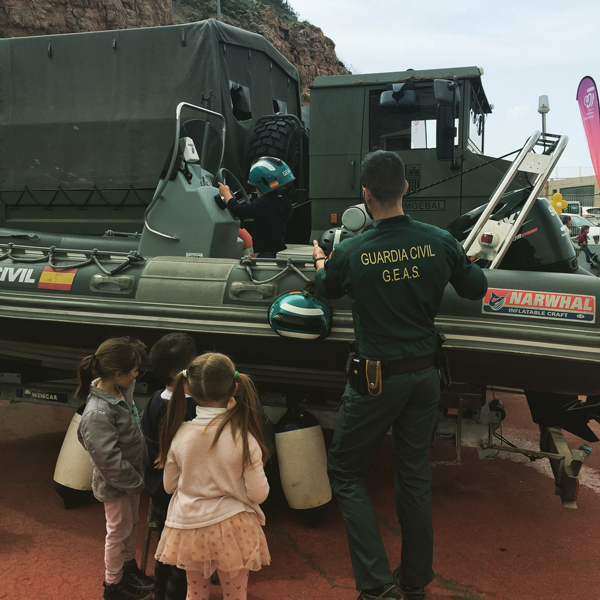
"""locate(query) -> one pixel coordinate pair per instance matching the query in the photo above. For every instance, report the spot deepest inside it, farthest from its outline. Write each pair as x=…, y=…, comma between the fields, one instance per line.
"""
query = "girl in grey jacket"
x=110, y=431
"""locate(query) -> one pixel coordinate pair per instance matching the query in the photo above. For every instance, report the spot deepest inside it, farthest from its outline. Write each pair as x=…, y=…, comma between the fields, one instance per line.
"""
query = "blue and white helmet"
x=300, y=315
x=269, y=174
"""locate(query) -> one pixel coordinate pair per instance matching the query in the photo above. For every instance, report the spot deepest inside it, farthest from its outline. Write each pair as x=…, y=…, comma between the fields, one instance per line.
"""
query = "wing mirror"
x=447, y=93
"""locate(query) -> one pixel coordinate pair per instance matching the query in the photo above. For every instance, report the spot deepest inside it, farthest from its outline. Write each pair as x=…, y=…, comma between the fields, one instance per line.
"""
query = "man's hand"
x=318, y=253
x=224, y=191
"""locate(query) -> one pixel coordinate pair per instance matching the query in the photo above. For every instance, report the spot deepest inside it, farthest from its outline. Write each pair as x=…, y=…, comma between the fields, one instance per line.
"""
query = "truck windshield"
x=390, y=131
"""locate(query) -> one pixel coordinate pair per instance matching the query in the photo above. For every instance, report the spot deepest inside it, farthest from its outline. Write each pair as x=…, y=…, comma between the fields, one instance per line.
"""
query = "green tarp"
x=98, y=109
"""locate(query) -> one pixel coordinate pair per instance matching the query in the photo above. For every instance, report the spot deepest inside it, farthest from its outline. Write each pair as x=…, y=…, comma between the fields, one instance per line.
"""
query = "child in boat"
x=213, y=466
x=271, y=211
x=582, y=240
x=110, y=431
x=172, y=353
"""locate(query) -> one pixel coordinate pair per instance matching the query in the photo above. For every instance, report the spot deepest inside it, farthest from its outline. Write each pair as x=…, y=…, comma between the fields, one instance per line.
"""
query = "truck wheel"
x=277, y=136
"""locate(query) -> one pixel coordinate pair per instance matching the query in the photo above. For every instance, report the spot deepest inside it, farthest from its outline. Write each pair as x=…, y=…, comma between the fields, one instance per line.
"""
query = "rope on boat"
x=247, y=263
x=132, y=257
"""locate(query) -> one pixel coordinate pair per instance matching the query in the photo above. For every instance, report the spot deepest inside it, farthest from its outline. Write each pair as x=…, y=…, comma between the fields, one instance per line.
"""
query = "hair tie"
x=184, y=373
x=235, y=375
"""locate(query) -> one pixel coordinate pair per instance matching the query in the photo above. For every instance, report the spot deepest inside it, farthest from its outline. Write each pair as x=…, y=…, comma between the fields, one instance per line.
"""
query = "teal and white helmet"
x=300, y=315
x=269, y=174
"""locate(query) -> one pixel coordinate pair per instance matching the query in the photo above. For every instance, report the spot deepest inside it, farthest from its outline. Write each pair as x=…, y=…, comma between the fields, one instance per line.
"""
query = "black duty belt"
x=408, y=365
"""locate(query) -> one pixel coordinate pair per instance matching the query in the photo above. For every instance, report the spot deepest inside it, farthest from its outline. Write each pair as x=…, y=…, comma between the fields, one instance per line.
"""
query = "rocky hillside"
x=303, y=44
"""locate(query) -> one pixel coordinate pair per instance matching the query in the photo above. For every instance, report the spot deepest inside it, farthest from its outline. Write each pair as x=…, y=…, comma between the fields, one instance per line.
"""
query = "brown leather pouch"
x=374, y=377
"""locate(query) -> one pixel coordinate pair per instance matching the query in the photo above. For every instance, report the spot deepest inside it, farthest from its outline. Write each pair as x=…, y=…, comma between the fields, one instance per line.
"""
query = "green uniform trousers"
x=408, y=405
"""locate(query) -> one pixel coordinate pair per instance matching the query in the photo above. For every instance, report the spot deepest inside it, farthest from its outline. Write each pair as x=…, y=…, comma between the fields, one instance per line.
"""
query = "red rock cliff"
x=303, y=44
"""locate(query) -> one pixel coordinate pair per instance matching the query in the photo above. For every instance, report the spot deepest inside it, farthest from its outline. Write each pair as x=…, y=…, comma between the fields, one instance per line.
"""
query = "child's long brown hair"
x=212, y=376
x=115, y=354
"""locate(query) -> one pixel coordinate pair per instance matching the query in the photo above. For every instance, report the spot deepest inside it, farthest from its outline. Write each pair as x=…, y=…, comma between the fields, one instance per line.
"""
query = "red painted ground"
x=500, y=532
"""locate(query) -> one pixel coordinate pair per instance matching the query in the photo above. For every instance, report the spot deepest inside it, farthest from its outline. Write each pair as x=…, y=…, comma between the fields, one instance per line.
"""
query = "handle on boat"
x=266, y=290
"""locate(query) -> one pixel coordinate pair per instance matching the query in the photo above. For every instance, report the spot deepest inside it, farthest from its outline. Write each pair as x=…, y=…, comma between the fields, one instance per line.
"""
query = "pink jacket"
x=209, y=487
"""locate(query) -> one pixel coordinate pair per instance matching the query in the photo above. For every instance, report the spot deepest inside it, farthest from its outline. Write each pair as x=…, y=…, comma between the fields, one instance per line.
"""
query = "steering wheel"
x=223, y=175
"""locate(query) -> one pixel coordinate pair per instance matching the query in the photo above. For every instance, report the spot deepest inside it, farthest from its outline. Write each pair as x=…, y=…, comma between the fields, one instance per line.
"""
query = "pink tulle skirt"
x=230, y=545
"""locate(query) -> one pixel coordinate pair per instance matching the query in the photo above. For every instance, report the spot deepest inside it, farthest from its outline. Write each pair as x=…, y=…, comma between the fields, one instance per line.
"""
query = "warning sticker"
x=540, y=305
x=57, y=279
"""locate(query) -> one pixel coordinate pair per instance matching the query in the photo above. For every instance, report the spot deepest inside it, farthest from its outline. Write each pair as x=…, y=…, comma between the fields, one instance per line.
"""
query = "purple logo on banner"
x=587, y=97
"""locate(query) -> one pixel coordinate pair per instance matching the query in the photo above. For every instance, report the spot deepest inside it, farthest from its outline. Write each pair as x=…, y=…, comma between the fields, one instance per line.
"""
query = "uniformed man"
x=395, y=275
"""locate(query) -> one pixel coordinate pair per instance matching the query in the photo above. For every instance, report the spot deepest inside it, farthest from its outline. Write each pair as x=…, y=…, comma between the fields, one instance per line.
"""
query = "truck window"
x=240, y=101
x=279, y=106
x=476, y=123
x=390, y=131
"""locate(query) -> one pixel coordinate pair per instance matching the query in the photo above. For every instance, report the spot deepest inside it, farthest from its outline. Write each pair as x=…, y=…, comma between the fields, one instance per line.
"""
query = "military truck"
x=441, y=144
x=87, y=121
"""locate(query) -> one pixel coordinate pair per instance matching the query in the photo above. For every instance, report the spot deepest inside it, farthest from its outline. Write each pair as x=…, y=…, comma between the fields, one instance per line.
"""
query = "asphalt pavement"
x=500, y=532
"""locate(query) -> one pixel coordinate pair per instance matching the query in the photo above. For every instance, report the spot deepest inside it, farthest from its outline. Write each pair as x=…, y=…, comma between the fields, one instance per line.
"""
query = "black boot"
x=408, y=592
x=124, y=591
x=135, y=577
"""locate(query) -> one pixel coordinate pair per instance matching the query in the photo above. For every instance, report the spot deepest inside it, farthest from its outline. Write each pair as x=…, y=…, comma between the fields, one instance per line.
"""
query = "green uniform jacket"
x=395, y=275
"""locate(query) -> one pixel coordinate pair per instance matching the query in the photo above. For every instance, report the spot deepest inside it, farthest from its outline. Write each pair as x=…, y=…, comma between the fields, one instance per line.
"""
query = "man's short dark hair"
x=565, y=219
x=171, y=354
x=382, y=173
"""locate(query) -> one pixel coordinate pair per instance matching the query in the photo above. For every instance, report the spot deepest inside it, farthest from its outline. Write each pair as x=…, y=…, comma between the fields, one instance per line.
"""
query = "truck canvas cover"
x=97, y=110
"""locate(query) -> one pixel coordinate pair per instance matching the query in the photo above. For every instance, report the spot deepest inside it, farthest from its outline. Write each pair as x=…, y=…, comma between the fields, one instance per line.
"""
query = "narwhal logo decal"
x=555, y=306
x=497, y=302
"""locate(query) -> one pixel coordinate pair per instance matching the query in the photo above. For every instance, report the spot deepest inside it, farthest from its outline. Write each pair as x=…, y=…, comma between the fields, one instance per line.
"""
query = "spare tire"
x=277, y=136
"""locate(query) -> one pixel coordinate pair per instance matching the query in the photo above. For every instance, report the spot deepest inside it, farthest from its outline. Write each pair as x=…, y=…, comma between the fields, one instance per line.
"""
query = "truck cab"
x=348, y=119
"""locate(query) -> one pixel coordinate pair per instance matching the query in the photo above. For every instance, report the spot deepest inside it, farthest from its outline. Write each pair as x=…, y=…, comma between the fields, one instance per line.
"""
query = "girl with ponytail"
x=213, y=466
x=110, y=431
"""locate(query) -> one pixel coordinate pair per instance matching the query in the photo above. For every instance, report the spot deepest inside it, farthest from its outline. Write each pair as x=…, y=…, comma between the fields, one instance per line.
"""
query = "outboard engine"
x=542, y=244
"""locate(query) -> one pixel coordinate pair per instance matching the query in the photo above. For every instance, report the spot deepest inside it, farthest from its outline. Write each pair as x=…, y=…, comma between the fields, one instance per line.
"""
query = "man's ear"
x=405, y=187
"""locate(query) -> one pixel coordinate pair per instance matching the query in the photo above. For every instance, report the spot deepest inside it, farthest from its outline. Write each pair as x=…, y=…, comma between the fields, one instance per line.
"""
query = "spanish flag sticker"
x=274, y=184
x=57, y=279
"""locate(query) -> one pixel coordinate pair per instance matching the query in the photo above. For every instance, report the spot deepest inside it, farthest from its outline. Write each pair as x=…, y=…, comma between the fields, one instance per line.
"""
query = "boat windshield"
x=206, y=132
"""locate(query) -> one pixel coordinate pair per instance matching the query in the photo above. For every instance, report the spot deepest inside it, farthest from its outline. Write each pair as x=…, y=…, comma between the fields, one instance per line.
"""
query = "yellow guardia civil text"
x=409, y=271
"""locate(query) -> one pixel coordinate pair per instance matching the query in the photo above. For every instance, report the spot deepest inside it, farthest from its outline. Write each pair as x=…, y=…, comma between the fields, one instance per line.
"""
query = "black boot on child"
x=134, y=576
x=124, y=591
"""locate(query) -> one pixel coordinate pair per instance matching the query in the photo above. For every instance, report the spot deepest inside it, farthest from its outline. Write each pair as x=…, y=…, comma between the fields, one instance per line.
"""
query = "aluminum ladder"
x=541, y=165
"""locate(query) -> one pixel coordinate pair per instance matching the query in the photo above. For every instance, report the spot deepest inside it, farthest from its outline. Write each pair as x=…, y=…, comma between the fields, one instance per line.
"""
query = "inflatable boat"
x=61, y=295
x=535, y=330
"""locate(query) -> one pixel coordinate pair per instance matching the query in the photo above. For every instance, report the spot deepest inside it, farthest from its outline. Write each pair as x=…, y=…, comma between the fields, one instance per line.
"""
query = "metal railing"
x=540, y=165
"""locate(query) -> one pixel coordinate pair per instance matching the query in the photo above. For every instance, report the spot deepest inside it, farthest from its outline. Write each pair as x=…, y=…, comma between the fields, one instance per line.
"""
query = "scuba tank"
x=303, y=462
x=73, y=472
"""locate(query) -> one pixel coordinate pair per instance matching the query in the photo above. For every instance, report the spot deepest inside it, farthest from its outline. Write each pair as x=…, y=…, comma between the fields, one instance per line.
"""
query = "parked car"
x=591, y=213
